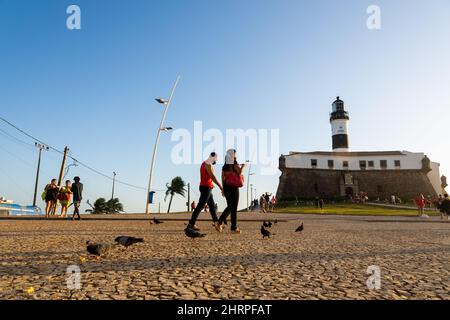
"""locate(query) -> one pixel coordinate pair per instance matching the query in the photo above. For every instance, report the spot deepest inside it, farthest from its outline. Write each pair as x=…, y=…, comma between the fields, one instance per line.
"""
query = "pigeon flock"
x=99, y=249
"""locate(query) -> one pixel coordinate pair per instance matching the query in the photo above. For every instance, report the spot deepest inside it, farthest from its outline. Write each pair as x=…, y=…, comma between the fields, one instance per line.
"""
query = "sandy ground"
x=328, y=260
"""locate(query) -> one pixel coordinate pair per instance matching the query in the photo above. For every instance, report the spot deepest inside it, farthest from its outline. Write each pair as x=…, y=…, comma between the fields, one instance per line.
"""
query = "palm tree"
x=101, y=206
x=177, y=186
x=114, y=206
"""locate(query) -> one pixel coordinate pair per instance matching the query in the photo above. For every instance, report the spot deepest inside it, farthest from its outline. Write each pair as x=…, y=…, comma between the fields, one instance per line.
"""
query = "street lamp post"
x=160, y=128
x=248, y=181
x=251, y=194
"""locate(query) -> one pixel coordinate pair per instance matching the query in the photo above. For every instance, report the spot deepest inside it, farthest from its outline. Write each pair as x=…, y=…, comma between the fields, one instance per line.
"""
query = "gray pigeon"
x=156, y=221
x=265, y=232
x=97, y=249
x=300, y=228
x=127, y=241
x=266, y=224
x=191, y=233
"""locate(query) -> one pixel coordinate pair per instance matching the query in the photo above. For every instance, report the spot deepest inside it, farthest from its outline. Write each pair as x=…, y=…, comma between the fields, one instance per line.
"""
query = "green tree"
x=177, y=186
x=101, y=206
x=114, y=206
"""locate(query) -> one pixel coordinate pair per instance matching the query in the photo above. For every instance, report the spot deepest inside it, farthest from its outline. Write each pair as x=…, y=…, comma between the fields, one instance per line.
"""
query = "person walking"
x=64, y=198
x=262, y=204
x=77, y=190
x=445, y=207
x=273, y=201
x=321, y=203
x=51, y=197
x=420, y=202
x=207, y=178
x=232, y=180
x=193, y=205
x=267, y=201
x=438, y=204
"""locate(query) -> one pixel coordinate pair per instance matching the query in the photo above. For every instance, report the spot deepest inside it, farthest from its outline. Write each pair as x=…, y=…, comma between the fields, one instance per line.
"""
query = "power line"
x=73, y=158
x=15, y=139
x=28, y=135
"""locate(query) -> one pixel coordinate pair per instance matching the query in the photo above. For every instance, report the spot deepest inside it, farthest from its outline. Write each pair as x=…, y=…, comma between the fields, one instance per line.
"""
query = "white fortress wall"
x=408, y=161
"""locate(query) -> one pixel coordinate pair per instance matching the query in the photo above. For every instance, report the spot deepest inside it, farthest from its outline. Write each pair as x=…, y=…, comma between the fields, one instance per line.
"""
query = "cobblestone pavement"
x=329, y=260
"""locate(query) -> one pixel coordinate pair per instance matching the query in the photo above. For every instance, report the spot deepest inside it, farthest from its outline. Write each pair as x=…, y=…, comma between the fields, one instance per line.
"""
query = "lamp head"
x=161, y=100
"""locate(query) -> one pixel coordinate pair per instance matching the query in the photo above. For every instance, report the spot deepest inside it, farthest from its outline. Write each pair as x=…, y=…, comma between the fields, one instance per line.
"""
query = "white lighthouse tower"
x=339, y=126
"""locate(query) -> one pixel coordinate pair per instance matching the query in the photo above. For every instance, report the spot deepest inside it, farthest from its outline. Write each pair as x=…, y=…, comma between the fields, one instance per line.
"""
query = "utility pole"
x=40, y=147
x=114, y=181
x=189, y=198
x=61, y=174
x=63, y=164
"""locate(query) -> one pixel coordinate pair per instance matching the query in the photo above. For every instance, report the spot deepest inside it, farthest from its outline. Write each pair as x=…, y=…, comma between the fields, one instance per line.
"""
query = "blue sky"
x=243, y=64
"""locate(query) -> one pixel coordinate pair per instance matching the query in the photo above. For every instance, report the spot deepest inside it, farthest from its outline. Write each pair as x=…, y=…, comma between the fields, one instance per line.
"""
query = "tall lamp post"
x=251, y=195
x=248, y=181
x=161, y=127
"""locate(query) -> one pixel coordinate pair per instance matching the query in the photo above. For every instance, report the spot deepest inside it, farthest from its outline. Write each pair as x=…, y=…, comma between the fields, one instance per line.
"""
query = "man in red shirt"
x=207, y=178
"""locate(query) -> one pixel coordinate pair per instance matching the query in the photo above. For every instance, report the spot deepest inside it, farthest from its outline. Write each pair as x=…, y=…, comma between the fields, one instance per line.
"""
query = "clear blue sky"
x=244, y=64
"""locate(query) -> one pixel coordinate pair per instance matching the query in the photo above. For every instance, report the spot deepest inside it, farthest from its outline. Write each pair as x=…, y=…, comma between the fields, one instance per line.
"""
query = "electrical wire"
x=73, y=158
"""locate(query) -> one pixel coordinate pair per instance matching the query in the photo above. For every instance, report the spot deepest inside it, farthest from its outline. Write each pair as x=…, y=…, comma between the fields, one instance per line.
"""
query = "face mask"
x=212, y=159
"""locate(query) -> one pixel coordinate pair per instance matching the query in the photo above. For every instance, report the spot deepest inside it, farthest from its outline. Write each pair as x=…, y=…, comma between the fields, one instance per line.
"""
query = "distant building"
x=9, y=208
x=342, y=173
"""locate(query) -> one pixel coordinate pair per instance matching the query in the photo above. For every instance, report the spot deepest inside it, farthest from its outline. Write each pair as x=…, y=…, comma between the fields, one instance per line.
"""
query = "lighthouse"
x=339, y=126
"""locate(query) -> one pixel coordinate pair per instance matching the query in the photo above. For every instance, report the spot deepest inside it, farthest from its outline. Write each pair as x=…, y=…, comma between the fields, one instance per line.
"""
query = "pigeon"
x=266, y=224
x=127, y=241
x=265, y=232
x=300, y=228
x=97, y=249
x=191, y=233
x=156, y=221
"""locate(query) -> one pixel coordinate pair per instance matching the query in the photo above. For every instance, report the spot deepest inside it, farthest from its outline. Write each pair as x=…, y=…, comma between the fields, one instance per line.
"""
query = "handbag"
x=235, y=180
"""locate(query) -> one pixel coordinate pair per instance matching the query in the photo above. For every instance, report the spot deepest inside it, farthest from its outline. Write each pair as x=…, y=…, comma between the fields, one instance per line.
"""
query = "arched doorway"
x=349, y=192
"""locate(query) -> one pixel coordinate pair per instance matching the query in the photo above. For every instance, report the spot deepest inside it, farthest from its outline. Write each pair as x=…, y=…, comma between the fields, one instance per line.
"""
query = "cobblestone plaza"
x=328, y=260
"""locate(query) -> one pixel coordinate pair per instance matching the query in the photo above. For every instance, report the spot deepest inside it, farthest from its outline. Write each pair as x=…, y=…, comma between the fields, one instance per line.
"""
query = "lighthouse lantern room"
x=339, y=126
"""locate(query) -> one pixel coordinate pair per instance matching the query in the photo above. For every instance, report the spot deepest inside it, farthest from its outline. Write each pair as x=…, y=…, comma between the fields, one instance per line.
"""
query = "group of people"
x=266, y=203
x=54, y=193
x=442, y=203
x=231, y=180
